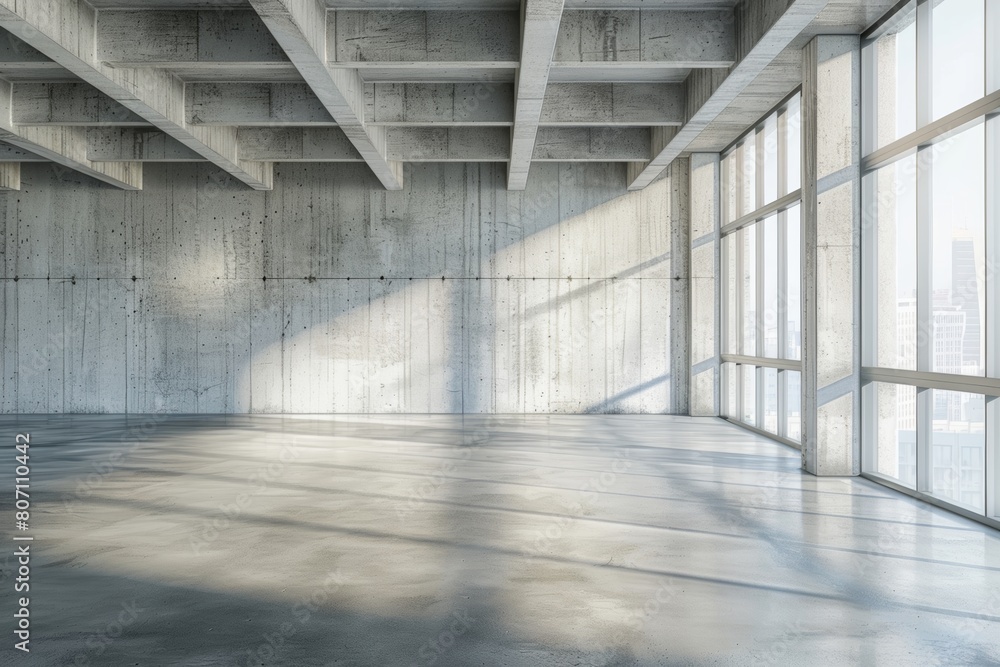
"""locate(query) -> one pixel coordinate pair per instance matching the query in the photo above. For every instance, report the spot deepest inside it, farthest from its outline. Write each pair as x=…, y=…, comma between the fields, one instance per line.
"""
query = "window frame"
x=928, y=133
x=737, y=224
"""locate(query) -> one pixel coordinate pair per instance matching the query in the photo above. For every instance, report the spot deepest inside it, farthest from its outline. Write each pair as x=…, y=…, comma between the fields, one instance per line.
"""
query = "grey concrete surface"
x=831, y=255
x=709, y=68
x=452, y=295
x=523, y=540
x=706, y=301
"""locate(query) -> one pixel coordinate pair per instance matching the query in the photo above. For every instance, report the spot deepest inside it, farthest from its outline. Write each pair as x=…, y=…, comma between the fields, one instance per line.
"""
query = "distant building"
x=965, y=296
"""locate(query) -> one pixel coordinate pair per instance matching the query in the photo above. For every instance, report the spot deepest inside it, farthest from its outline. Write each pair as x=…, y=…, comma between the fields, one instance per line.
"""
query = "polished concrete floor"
x=549, y=540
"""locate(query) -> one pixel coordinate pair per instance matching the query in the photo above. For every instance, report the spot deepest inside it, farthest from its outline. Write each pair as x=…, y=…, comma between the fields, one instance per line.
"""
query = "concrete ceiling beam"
x=65, y=146
x=65, y=31
x=766, y=28
x=405, y=144
x=300, y=27
x=539, y=33
x=69, y=104
x=480, y=104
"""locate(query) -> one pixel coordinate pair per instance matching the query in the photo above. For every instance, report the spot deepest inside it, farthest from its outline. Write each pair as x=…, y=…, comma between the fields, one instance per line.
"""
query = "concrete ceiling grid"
x=103, y=86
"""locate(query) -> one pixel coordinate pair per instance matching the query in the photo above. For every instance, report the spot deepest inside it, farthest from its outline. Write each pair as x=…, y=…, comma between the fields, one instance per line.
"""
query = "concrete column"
x=10, y=176
x=706, y=305
x=831, y=258
x=679, y=174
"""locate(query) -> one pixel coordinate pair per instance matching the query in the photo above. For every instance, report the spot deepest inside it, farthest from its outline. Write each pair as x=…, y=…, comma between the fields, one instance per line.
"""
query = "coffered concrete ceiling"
x=105, y=85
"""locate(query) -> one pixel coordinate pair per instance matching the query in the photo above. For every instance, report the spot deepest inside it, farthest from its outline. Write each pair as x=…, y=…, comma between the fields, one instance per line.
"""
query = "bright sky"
x=958, y=61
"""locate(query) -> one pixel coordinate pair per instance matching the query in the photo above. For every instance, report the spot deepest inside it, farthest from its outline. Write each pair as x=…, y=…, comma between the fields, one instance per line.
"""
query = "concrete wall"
x=199, y=295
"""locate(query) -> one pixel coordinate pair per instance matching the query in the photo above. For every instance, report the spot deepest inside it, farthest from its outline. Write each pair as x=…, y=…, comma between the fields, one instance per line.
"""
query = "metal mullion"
x=970, y=384
x=992, y=245
x=885, y=22
x=992, y=453
x=777, y=107
x=781, y=364
x=942, y=129
x=924, y=421
x=992, y=457
x=767, y=434
x=932, y=500
x=780, y=204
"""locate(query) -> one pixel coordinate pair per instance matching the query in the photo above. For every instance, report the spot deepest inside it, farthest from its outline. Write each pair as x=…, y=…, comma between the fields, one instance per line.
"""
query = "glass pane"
x=750, y=291
x=793, y=139
x=770, y=138
x=894, y=57
x=793, y=405
x=770, y=400
x=749, y=394
x=992, y=48
x=793, y=333
x=749, y=174
x=895, y=429
x=895, y=214
x=993, y=251
x=958, y=253
x=733, y=332
x=958, y=54
x=958, y=443
x=730, y=387
x=770, y=277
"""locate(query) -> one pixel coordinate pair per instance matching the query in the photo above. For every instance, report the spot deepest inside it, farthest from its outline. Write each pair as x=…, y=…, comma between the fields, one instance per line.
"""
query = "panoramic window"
x=931, y=247
x=761, y=281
